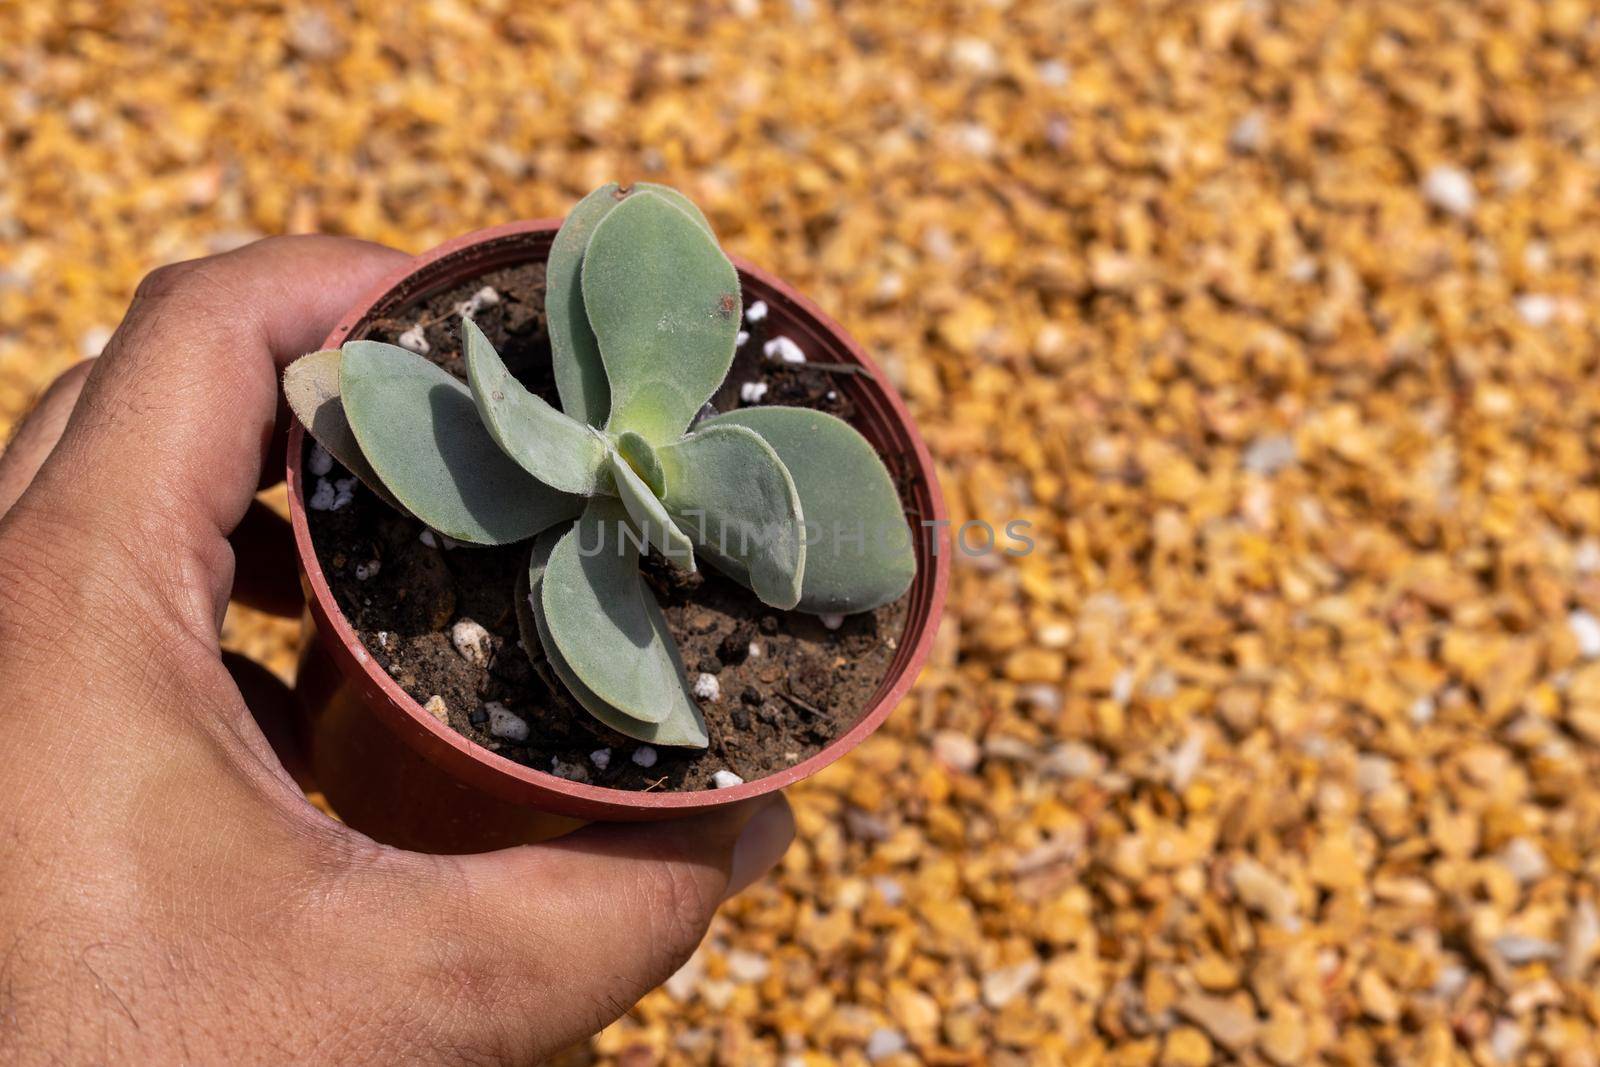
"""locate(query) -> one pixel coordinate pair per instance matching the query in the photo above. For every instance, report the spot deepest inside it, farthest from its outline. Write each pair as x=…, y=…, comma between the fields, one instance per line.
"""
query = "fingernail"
x=761, y=845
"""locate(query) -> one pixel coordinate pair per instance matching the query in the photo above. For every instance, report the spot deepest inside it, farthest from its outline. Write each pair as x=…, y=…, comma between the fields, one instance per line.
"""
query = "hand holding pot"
x=166, y=892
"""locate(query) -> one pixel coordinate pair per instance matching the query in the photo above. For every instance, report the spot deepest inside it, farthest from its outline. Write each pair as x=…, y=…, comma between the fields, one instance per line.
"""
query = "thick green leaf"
x=420, y=430
x=580, y=374
x=664, y=304
x=649, y=516
x=594, y=604
x=683, y=727
x=559, y=451
x=859, y=554
x=311, y=385
x=730, y=493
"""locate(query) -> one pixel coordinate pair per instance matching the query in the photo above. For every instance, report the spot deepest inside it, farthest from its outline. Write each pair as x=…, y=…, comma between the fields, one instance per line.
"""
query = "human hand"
x=166, y=892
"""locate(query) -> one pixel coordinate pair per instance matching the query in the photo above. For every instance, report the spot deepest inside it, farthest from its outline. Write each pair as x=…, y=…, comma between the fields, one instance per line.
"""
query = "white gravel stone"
x=751, y=392
x=1450, y=189
x=1524, y=859
x=1422, y=710
x=726, y=780
x=332, y=495
x=1249, y=133
x=883, y=1043
x=1184, y=761
x=956, y=750
x=1518, y=949
x=644, y=756
x=321, y=461
x=706, y=687
x=747, y=966
x=831, y=622
x=572, y=772
x=740, y=338
x=1073, y=759
x=413, y=341
x=1001, y=987
x=504, y=725
x=1269, y=454
x=471, y=641
x=756, y=312
x=601, y=758
x=754, y=650
x=1586, y=631
x=368, y=570
x=437, y=708
x=1536, y=309
x=427, y=538
x=784, y=349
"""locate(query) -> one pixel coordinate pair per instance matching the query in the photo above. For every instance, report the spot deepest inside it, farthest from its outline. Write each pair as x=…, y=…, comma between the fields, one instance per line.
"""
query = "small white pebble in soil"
x=784, y=349
x=740, y=338
x=754, y=650
x=751, y=392
x=503, y=724
x=472, y=641
x=601, y=758
x=645, y=756
x=427, y=538
x=1536, y=309
x=383, y=638
x=483, y=298
x=368, y=570
x=321, y=461
x=706, y=687
x=437, y=708
x=413, y=341
x=756, y=312
x=832, y=395
x=832, y=622
x=331, y=496
x=1586, y=631
x=726, y=780
x=1450, y=189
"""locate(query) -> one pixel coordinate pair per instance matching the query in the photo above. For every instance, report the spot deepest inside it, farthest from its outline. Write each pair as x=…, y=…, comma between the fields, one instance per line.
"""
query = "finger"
x=167, y=443
x=266, y=573
x=620, y=906
x=38, y=433
x=275, y=710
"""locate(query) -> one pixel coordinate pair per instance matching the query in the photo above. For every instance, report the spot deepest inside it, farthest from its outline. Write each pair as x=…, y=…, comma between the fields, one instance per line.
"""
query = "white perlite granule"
x=645, y=756
x=472, y=641
x=483, y=298
x=601, y=758
x=832, y=622
x=413, y=341
x=706, y=687
x=751, y=392
x=726, y=780
x=321, y=461
x=503, y=724
x=756, y=312
x=784, y=349
x=331, y=496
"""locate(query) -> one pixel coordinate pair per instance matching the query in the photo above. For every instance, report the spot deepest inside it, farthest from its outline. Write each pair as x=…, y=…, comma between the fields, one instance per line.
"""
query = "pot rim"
x=527, y=782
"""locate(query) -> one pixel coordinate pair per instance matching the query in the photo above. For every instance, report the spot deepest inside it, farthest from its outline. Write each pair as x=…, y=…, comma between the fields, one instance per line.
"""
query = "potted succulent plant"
x=585, y=571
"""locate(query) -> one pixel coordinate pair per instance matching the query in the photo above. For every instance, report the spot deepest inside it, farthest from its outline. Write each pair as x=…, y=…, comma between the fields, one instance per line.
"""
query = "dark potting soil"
x=789, y=685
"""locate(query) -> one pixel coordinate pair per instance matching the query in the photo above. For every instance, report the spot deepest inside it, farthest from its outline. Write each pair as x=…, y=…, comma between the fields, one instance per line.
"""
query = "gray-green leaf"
x=580, y=374
x=594, y=603
x=311, y=385
x=650, y=516
x=728, y=490
x=420, y=430
x=559, y=451
x=664, y=304
x=860, y=555
x=683, y=727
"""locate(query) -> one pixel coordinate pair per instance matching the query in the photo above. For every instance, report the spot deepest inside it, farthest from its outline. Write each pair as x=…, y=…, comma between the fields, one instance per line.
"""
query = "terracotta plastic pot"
x=395, y=772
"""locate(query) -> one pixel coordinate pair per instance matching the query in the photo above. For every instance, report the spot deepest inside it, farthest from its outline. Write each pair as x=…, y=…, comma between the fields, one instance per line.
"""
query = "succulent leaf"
x=420, y=430
x=728, y=490
x=580, y=374
x=637, y=451
x=594, y=605
x=559, y=451
x=844, y=490
x=311, y=385
x=683, y=726
x=649, y=515
x=664, y=304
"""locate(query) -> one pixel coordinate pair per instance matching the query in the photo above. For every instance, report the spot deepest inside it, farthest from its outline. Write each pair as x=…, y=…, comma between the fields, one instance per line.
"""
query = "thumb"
x=574, y=931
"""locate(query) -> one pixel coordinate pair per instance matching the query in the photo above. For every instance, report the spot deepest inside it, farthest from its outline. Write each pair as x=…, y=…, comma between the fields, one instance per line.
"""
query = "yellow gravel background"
x=1274, y=318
